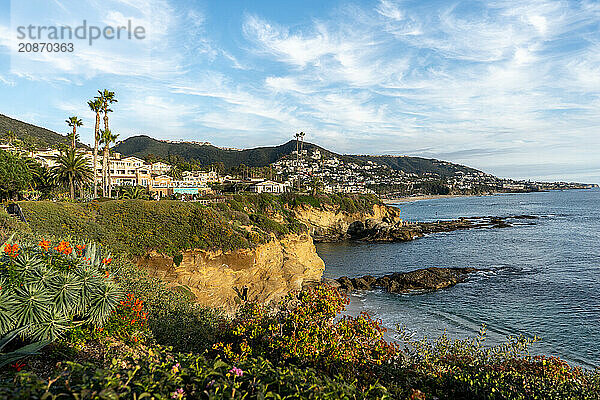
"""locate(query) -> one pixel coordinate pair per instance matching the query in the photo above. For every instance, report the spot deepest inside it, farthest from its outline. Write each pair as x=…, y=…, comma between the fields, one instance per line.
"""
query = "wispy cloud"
x=492, y=84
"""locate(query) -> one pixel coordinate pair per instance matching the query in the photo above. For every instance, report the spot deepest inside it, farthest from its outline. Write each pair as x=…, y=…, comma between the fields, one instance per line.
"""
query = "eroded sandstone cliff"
x=218, y=278
x=331, y=224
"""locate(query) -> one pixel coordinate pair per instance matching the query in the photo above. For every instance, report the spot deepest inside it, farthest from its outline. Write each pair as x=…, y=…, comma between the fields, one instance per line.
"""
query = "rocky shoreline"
x=424, y=279
x=387, y=230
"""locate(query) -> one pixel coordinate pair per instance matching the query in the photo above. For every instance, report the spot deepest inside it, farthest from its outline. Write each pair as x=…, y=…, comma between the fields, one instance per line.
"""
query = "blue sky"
x=510, y=86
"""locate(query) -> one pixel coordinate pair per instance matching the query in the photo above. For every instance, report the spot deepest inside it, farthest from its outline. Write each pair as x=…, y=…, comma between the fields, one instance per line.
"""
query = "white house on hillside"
x=268, y=187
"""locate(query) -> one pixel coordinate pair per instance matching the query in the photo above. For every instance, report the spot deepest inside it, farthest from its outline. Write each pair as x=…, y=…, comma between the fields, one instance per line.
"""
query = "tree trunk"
x=72, y=187
x=104, y=172
x=108, y=175
x=96, y=129
x=106, y=150
x=74, y=133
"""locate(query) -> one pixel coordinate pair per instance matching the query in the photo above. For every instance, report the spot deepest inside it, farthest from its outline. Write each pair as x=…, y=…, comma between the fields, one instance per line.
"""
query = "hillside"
x=418, y=165
x=31, y=134
x=141, y=146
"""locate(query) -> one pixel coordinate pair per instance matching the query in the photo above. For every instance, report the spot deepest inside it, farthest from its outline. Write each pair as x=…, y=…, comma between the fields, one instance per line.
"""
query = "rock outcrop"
x=221, y=279
x=329, y=224
x=427, y=279
x=383, y=224
x=382, y=231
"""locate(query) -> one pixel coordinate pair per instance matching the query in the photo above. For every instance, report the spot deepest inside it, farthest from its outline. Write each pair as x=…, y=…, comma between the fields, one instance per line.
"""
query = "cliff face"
x=217, y=278
x=330, y=224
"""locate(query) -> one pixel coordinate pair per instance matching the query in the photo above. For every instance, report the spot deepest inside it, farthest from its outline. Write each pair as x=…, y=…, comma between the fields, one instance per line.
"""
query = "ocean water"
x=544, y=278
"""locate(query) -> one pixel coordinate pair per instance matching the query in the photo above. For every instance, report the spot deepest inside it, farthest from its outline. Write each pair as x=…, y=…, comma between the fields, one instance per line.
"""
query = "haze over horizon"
x=508, y=87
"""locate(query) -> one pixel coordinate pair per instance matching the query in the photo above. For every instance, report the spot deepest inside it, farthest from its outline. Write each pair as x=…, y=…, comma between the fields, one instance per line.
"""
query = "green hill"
x=141, y=146
x=33, y=135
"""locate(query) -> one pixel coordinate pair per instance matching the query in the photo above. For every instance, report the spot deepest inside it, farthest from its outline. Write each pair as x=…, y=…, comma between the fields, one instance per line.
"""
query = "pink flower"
x=178, y=394
x=175, y=368
x=236, y=371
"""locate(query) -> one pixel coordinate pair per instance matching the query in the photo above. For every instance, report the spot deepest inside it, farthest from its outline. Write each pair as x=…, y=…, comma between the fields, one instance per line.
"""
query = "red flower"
x=106, y=261
x=44, y=244
x=18, y=365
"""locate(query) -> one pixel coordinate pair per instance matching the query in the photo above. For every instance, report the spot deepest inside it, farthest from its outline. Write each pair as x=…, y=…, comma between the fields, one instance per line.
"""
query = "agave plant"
x=28, y=350
x=46, y=290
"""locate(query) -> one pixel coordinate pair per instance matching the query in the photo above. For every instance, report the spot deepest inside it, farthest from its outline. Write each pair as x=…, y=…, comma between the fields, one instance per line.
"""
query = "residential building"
x=269, y=187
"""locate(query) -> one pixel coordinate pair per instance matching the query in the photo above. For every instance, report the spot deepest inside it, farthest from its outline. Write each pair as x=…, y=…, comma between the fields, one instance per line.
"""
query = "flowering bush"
x=303, y=330
x=127, y=322
x=468, y=369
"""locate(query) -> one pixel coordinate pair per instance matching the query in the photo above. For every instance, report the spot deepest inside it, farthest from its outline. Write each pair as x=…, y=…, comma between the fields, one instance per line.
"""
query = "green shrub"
x=9, y=225
x=162, y=375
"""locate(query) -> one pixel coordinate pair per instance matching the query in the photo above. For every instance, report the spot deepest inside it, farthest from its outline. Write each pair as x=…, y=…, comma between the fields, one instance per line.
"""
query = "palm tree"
x=106, y=138
x=134, y=192
x=74, y=123
x=71, y=168
x=107, y=98
x=96, y=106
x=175, y=173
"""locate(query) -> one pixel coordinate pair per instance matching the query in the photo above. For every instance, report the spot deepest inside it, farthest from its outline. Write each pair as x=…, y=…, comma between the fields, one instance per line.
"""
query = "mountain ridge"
x=143, y=145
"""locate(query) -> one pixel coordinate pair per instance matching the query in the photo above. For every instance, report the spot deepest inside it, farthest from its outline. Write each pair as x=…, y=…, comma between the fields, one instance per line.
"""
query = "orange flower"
x=80, y=248
x=64, y=247
x=106, y=261
x=44, y=244
x=11, y=251
x=106, y=274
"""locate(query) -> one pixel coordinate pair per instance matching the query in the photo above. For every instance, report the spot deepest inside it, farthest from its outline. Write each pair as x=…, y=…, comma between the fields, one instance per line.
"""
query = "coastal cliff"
x=329, y=223
x=218, y=278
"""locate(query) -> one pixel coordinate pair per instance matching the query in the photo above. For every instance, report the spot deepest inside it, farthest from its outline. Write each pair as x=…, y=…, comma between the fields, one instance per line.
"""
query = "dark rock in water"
x=524, y=217
x=388, y=231
x=333, y=283
x=361, y=284
x=364, y=283
x=345, y=283
x=427, y=279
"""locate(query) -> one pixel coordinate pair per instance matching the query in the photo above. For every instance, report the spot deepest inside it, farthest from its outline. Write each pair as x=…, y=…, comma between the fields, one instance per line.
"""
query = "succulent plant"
x=46, y=290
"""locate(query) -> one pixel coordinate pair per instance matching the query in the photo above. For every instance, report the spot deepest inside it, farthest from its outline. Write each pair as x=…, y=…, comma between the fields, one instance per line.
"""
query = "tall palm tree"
x=74, y=123
x=106, y=138
x=71, y=168
x=96, y=106
x=107, y=98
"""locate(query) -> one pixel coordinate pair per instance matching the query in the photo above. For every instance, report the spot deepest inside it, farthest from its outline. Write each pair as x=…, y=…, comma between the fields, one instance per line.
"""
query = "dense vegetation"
x=136, y=227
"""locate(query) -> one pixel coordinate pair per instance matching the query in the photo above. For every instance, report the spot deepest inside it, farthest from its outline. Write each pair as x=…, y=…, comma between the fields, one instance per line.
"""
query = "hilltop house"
x=268, y=187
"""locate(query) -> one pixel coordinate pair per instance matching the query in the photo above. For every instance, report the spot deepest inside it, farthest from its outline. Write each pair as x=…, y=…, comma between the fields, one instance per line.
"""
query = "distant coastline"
x=408, y=199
